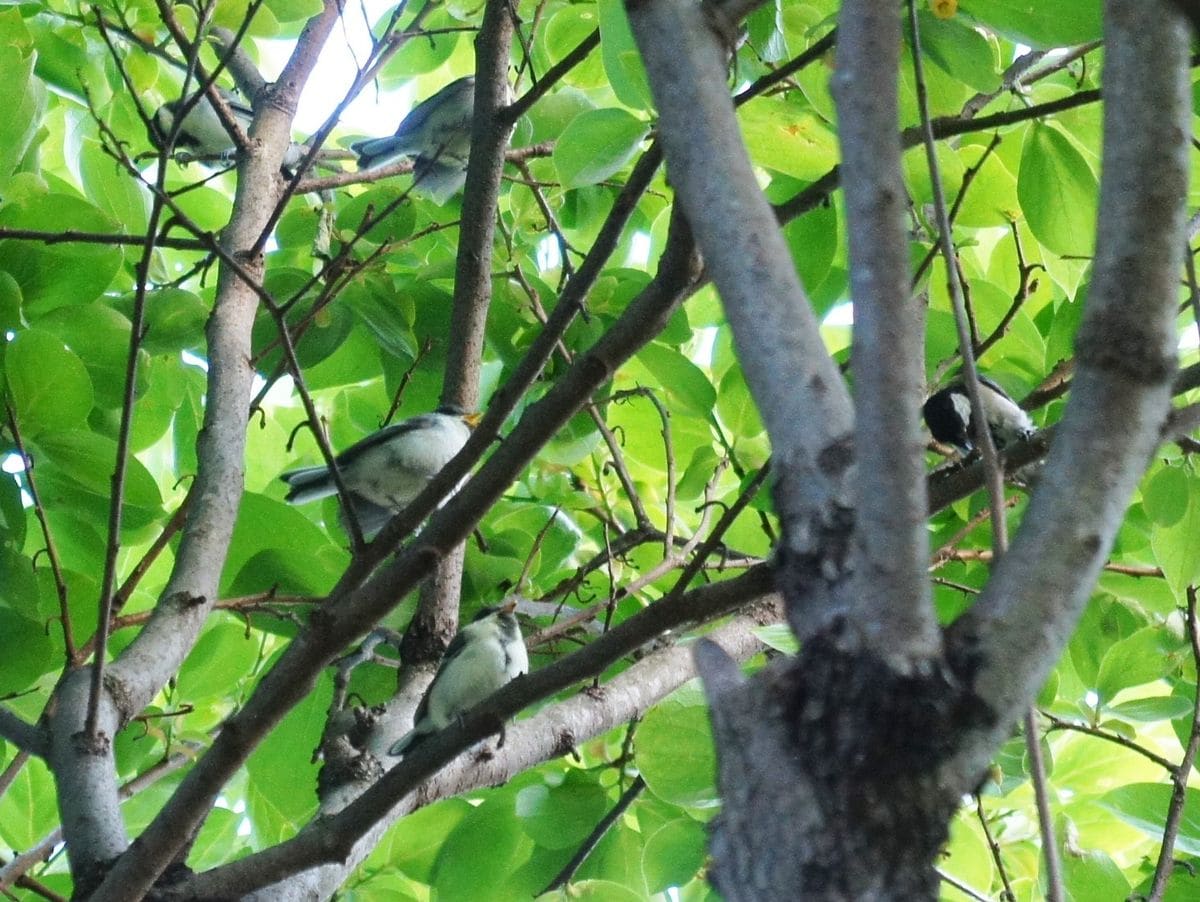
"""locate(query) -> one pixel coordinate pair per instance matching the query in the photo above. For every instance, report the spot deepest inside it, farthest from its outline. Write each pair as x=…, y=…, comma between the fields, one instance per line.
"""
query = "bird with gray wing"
x=485, y=654
x=437, y=135
x=385, y=471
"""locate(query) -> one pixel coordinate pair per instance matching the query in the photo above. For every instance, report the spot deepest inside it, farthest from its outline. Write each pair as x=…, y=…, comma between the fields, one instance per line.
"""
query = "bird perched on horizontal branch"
x=437, y=135
x=385, y=471
x=948, y=415
x=485, y=654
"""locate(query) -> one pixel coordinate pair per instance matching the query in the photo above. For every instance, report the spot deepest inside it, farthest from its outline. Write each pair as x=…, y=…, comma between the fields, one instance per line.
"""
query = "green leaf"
x=788, y=138
x=992, y=198
x=90, y=459
x=49, y=384
x=968, y=856
x=266, y=524
x=10, y=302
x=294, y=10
x=224, y=655
x=25, y=97
x=596, y=145
x=1144, y=805
x=600, y=891
x=1091, y=874
x=27, y=809
x=489, y=837
x=282, y=785
x=1165, y=496
x=559, y=817
x=388, y=318
x=813, y=239
x=685, y=383
x=111, y=188
x=174, y=320
x=622, y=62
x=99, y=336
x=217, y=840
x=1147, y=655
x=1176, y=549
x=766, y=32
x=414, y=843
x=675, y=752
x=18, y=585
x=778, y=636
x=1043, y=26
x=51, y=275
x=1153, y=709
x=1058, y=192
x=960, y=51
x=673, y=854
x=29, y=652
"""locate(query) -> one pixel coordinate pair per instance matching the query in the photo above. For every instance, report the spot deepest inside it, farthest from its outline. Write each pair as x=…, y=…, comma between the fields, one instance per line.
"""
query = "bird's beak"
x=472, y=419
x=509, y=606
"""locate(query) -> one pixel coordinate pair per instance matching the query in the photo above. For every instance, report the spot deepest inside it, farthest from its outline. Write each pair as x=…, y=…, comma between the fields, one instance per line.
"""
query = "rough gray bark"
x=87, y=796
x=891, y=542
x=797, y=388
x=840, y=769
x=1120, y=396
x=328, y=850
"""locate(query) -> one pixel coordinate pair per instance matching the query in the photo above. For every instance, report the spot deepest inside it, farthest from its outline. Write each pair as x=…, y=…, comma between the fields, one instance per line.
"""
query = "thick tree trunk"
x=831, y=777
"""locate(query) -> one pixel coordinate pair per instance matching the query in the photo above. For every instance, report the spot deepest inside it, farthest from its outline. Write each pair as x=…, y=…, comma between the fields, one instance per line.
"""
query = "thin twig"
x=1058, y=723
x=1180, y=773
x=997, y=857
x=117, y=494
x=74, y=236
x=39, y=510
x=992, y=466
x=627, y=798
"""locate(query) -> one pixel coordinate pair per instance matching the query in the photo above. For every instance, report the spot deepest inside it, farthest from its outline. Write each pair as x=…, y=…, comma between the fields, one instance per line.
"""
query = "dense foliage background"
x=615, y=505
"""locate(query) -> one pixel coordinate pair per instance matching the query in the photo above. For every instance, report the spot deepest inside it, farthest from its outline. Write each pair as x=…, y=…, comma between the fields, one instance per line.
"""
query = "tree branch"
x=548, y=734
x=436, y=618
x=889, y=337
x=155, y=655
x=1126, y=357
x=352, y=612
x=25, y=736
x=798, y=389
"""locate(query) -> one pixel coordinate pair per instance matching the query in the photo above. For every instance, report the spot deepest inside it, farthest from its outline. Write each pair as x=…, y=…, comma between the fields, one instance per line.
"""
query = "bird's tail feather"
x=308, y=484
x=376, y=152
x=408, y=741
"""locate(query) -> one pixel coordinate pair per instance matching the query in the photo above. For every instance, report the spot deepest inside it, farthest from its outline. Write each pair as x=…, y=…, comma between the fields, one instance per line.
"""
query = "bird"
x=202, y=134
x=386, y=470
x=484, y=655
x=948, y=415
x=437, y=134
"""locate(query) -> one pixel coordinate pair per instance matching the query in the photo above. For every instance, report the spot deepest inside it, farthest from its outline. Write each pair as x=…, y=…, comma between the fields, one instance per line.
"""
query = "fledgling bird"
x=948, y=415
x=485, y=654
x=388, y=469
x=203, y=135
x=437, y=134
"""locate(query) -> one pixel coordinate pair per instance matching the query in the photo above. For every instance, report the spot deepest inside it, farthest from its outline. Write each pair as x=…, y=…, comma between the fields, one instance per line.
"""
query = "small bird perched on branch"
x=202, y=134
x=948, y=415
x=437, y=134
x=385, y=471
x=485, y=654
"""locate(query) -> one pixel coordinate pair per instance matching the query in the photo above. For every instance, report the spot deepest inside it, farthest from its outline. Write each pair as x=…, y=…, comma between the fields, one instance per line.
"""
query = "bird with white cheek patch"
x=948, y=415
x=485, y=654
